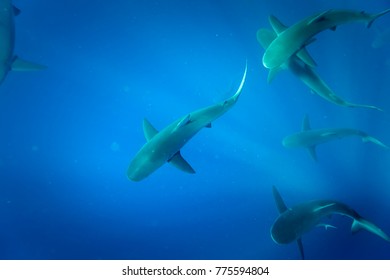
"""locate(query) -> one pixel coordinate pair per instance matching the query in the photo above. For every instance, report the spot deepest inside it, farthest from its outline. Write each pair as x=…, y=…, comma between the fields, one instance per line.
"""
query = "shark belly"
x=160, y=150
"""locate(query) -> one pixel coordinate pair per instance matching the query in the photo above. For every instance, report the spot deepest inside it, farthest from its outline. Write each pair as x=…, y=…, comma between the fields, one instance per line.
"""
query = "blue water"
x=68, y=133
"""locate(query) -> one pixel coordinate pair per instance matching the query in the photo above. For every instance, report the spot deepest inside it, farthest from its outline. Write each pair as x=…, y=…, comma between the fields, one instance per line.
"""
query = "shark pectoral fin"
x=149, y=130
x=300, y=246
x=312, y=152
x=178, y=161
x=272, y=73
x=279, y=200
x=306, y=57
x=265, y=37
x=23, y=65
x=16, y=10
x=276, y=24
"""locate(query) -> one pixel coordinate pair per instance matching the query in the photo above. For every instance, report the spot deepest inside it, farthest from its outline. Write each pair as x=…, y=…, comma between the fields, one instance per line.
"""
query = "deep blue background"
x=67, y=134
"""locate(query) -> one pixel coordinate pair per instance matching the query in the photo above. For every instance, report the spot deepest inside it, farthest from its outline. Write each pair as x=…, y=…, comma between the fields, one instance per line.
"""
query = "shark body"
x=8, y=61
x=164, y=146
x=309, y=138
x=301, y=34
x=293, y=222
x=299, y=65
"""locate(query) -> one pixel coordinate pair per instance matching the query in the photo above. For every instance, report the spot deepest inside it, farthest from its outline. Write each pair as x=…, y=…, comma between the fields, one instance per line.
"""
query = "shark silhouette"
x=300, y=65
x=301, y=34
x=309, y=138
x=8, y=61
x=164, y=146
x=293, y=222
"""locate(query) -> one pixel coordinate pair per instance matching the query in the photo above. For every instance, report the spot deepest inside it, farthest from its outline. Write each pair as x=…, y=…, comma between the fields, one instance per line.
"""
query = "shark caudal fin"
x=361, y=223
x=352, y=105
x=374, y=17
x=369, y=138
x=239, y=90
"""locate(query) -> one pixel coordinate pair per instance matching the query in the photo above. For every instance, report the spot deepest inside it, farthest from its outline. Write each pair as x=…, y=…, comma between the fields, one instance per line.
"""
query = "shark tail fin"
x=359, y=224
x=239, y=90
x=353, y=105
x=19, y=64
x=374, y=17
x=369, y=138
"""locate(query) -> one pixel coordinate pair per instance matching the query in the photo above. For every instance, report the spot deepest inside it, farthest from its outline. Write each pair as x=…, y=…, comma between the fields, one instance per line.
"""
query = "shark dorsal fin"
x=178, y=161
x=279, y=200
x=276, y=24
x=300, y=246
x=149, y=130
x=306, y=123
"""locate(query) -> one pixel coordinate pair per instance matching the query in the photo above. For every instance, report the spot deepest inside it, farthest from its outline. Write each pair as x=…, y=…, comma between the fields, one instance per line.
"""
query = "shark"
x=292, y=223
x=165, y=145
x=309, y=138
x=299, y=65
x=9, y=61
x=302, y=33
